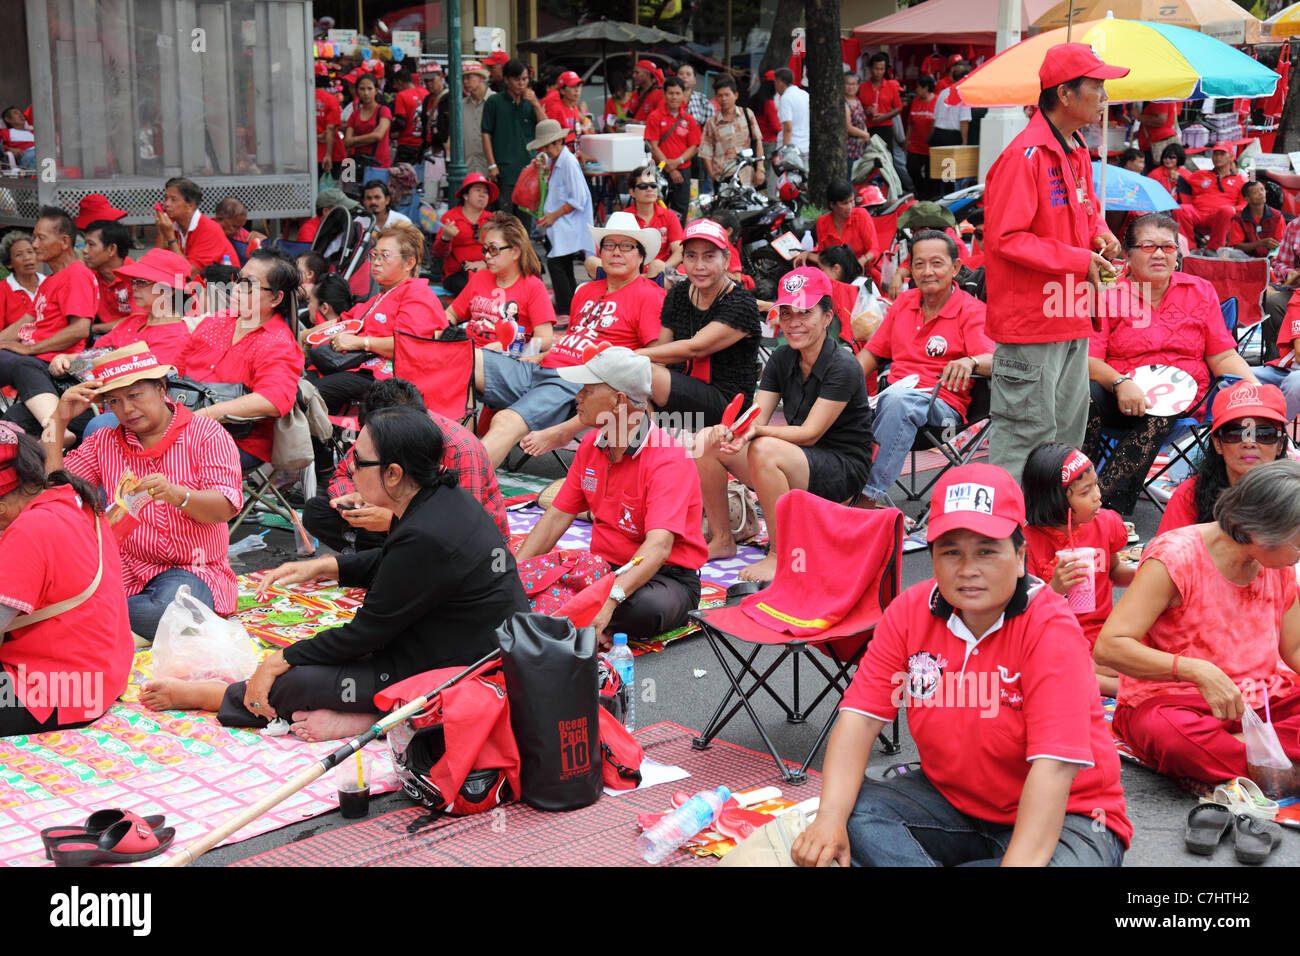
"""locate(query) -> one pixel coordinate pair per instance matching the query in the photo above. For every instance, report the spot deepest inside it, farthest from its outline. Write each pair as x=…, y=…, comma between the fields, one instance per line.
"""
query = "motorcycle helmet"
x=414, y=756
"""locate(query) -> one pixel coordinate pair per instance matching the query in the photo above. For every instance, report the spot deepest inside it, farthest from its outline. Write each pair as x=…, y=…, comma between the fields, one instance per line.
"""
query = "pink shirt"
x=1236, y=627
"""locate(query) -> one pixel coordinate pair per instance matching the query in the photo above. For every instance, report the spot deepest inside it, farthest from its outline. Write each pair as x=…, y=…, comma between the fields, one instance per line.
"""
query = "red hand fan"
x=323, y=334
x=744, y=421
x=506, y=331
x=733, y=408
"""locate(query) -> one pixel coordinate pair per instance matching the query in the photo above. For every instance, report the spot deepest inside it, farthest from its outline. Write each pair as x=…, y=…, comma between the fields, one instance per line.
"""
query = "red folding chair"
x=815, y=535
x=1245, y=281
x=443, y=371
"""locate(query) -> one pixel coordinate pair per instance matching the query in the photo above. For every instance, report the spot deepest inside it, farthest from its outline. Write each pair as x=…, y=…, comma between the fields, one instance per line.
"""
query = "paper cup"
x=354, y=799
x=1083, y=596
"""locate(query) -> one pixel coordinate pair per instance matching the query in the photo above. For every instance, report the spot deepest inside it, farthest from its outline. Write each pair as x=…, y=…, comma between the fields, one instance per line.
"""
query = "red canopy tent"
x=945, y=21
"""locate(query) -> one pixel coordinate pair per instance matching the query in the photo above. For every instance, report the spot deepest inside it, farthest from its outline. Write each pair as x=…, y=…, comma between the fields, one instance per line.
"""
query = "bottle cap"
x=620, y=638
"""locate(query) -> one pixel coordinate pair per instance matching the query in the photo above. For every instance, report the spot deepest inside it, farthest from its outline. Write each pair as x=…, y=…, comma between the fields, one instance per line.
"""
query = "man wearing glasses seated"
x=650, y=214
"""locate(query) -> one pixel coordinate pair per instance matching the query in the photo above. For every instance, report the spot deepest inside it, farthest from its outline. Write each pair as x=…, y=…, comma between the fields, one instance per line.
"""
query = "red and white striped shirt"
x=202, y=456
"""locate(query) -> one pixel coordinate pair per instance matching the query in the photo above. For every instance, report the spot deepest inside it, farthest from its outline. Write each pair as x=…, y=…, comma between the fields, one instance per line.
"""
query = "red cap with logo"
x=496, y=58
x=981, y=498
x=709, y=231
x=1069, y=61
x=1225, y=146
x=1248, y=400
x=569, y=78
x=802, y=288
x=95, y=207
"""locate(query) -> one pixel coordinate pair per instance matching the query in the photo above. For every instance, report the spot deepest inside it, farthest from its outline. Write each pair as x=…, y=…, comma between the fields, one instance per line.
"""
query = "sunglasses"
x=1259, y=434
x=491, y=252
x=1168, y=248
x=645, y=185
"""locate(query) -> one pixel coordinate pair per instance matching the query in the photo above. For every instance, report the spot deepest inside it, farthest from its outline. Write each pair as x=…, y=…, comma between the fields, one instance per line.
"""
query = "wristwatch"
x=1120, y=381
x=618, y=594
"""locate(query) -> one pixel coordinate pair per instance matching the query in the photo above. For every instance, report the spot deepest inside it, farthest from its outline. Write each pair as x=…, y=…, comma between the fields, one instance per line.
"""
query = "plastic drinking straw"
x=361, y=780
x=1267, y=719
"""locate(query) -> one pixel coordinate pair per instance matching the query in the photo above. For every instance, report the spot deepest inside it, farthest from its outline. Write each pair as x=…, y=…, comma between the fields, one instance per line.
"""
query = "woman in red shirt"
x=458, y=240
x=1170, y=170
x=846, y=224
x=509, y=288
x=18, y=292
x=366, y=135
x=56, y=546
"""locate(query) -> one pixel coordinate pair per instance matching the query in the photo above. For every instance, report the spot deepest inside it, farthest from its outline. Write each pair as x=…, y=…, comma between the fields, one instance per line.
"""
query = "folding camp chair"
x=443, y=371
x=1242, y=282
x=833, y=651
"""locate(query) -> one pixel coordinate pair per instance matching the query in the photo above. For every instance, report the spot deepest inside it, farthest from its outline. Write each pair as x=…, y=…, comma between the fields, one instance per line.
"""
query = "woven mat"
x=603, y=834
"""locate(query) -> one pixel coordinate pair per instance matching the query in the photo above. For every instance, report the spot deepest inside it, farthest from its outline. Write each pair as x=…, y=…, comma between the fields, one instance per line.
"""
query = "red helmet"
x=870, y=195
x=788, y=191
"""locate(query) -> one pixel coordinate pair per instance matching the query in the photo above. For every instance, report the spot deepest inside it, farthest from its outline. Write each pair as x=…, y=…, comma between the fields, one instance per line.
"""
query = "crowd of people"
x=645, y=348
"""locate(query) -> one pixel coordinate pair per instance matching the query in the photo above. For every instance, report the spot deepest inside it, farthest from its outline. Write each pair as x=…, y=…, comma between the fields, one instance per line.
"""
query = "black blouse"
x=735, y=368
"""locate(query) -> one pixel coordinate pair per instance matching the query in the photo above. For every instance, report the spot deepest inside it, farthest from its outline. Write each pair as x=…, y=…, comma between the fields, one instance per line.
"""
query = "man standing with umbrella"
x=1045, y=240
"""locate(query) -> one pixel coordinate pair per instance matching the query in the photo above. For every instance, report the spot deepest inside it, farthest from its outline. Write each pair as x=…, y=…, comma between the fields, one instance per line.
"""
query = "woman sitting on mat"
x=67, y=649
x=190, y=467
x=436, y=592
x=826, y=446
x=1211, y=626
x=1249, y=431
x=1018, y=766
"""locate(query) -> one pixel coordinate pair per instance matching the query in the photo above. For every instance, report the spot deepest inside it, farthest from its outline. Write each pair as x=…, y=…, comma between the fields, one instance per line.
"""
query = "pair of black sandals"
x=1253, y=838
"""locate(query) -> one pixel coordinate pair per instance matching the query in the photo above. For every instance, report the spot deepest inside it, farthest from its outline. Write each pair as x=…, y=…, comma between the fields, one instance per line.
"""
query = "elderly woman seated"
x=1209, y=627
x=1249, y=431
x=1154, y=316
x=189, y=466
x=436, y=592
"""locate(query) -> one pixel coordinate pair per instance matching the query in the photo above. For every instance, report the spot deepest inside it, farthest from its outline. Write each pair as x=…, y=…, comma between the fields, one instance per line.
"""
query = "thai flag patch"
x=589, y=480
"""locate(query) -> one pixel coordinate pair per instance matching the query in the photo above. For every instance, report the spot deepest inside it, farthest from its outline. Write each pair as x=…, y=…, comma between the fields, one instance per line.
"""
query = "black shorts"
x=834, y=476
x=690, y=397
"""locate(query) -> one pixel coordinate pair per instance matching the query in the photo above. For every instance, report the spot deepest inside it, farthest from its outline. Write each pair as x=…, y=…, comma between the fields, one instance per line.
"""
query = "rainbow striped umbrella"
x=1165, y=63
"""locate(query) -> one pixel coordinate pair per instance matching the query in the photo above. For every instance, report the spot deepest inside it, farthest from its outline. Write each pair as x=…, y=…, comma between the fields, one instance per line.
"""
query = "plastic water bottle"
x=621, y=659
x=682, y=824
x=225, y=260
x=518, y=345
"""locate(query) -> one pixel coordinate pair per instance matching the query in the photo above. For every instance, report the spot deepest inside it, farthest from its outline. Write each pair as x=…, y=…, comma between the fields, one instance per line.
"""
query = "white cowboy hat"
x=625, y=224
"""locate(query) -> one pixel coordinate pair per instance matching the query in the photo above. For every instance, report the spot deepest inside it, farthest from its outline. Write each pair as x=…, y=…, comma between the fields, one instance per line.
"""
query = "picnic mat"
x=603, y=834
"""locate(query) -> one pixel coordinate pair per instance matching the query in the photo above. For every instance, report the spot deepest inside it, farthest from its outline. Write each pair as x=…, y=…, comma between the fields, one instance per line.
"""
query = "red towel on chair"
x=829, y=566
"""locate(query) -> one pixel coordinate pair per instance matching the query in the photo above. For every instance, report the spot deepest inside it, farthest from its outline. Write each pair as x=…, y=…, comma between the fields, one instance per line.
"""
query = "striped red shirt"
x=267, y=360
x=202, y=457
x=166, y=341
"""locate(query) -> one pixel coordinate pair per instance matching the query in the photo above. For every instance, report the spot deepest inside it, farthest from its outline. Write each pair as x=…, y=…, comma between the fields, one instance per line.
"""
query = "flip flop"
x=126, y=841
x=1206, y=825
x=95, y=824
x=1255, y=838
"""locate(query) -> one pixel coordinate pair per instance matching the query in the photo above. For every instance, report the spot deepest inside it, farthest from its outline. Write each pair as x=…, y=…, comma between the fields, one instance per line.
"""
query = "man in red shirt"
x=920, y=121
x=674, y=139
x=182, y=228
x=1018, y=764
x=106, y=247
x=232, y=216
x=647, y=94
x=495, y=62
x=1046, y=244
x=949, y=77
x=1257, y=229
x=639, y=484
x=410, y=106
x=1159, y=128
x=1211, y=197
x=880, y=98
x=328, y=121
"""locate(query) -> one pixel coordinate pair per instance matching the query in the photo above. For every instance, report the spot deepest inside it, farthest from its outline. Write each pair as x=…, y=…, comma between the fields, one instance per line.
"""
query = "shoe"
x=1241, y=795
x=1206, y=825
x=1255, y=838
x=1133, y=536
x=95, y=824
x=127, y=841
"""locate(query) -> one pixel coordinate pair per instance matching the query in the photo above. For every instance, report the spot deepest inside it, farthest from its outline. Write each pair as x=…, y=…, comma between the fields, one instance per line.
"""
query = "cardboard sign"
x=408, y=41
x=787, y=245
x=346, y=39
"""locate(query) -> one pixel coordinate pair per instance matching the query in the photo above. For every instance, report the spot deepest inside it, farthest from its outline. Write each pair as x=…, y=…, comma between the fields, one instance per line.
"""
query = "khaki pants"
x=1039, y=394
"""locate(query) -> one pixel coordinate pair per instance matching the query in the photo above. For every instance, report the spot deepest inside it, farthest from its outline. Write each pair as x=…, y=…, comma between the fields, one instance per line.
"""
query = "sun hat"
x=1069, y=61
x=159, y=266
x=95, y=207
x=618, y=367
x=548, y=131
x=980, y=498
x=125, y=366
x=477, y=179
x=474, y=66
x=625, y=224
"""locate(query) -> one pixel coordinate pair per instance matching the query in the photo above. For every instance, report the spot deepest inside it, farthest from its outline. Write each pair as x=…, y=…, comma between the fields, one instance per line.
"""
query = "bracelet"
x=185, y=500
x=1175, y=667
x=365, y=343
x=493, y=166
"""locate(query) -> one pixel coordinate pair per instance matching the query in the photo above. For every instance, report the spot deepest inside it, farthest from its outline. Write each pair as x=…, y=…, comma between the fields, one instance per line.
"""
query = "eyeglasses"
x=491, y=252
x=358, y=462
x=377, y=256
x=136, y=283
x=1168, y=248
x=1257, y=434
x=609, y=245
x=645, y=185
x=248, y=285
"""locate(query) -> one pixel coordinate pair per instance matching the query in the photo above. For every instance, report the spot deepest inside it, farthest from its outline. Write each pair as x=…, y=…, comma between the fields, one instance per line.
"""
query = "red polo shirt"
x=72, y=292
x=267, y=360
x=206, y=244
x=409, y=306
x=1208, y=191
x=167, y=341
x=881, y=100
x=569, y=117
x=115, y=299
x=685, y=132
x=652, y=487
x=859, y=233
x=328, y=114
x=627, y=317
x=15, y=301
x=981, y=710
x=916, y=347
x=48, y=554
x=666, y=221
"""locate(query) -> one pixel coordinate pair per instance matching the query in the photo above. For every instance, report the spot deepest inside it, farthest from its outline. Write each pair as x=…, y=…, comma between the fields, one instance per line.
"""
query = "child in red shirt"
x=1064, y=511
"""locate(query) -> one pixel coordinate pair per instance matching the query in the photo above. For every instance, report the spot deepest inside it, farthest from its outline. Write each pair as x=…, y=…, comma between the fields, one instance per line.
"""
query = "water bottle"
x=225, y=260
x=682, y=824
x=518, y=345
x=621, y=659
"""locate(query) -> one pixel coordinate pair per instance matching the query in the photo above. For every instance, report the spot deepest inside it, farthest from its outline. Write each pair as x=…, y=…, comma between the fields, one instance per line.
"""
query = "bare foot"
x=542, y=441
x=172, y=693
x=764, y=570
x=314, y=725
x=865, y=502
x=722, y=546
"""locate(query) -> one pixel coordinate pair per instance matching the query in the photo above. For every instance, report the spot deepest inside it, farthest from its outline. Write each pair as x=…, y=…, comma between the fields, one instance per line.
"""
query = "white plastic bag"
x=194, y=643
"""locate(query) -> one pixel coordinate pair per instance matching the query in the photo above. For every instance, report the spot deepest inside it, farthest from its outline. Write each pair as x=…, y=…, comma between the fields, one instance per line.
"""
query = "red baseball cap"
x=1248, y=400
x=802, y=288
x=770, y=75
x=709, y=231
x=1069, y=61
x=1225, y=146
x=496, y=58
x=569, y=78
x=955, y=58
x=159, y=266
x=479, y=179
x=95, y=207
x=980, y=498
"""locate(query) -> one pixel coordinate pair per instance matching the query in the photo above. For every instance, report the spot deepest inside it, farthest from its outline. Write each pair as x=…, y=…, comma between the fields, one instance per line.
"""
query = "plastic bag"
x=1266, y=762
x=194, y=643
x=530, y=191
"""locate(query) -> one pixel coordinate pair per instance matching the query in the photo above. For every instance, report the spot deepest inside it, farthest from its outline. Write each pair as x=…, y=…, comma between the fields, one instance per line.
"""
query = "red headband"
x=8, y=458
x=1075, y=465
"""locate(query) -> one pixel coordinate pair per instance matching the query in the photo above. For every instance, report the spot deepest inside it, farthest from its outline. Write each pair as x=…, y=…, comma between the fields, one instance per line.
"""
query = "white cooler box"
x=617, y=152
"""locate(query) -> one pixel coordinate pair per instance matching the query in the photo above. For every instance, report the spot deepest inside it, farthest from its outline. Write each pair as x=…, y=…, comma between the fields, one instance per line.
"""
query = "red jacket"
x=1038, y=238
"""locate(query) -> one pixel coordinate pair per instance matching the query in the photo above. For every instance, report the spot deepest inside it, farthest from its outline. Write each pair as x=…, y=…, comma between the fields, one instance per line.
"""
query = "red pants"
x=1177, y=734
x=1214, y=221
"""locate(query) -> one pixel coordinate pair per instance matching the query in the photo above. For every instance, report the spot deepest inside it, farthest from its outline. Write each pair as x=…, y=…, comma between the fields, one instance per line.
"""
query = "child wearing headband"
x=1063, y=511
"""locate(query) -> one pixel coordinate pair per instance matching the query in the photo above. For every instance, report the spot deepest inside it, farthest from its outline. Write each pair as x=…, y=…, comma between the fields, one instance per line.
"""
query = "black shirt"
x=731, y=370
x=837, y=377
x=438, y=589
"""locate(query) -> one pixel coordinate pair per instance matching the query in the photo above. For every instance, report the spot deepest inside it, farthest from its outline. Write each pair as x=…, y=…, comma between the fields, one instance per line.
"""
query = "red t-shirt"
x=569, y=117
x=49, y=554
x=654, y=487
x=666, y=221
x=921, y=121
x=72, y=292
x=981, y=710
x=410, y=103
x=1104, y=532
x=483, y=302
x=361, y=127
x=1208, y=191
x=206, y=245
x=680, y=129
x=1148, y=135
x=915, y=347
x=307, y=231
x=327, y=115
x=1181, y=509
x=167, y=341
x=410, y=306
x=15, y=301
x=627, y=317
x=859, y=233
x=1161, y=175
x=465, y=247
x=267, y=360
x=882, y=100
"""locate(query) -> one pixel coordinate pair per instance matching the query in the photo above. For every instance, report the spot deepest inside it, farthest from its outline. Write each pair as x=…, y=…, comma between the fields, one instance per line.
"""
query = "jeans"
x=146, y=608
x=1288, y=382
x=899, y=413
x=906, y=821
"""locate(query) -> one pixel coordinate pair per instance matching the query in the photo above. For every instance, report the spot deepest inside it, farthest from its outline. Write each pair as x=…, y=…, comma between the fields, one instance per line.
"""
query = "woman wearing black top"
x=437, y=590
x=708, y=342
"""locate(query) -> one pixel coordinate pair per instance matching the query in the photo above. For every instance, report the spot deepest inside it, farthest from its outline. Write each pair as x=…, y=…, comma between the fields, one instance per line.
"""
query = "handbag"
x=742, y=511
x=327, y=359
x=551, y=580
x=194, y=395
